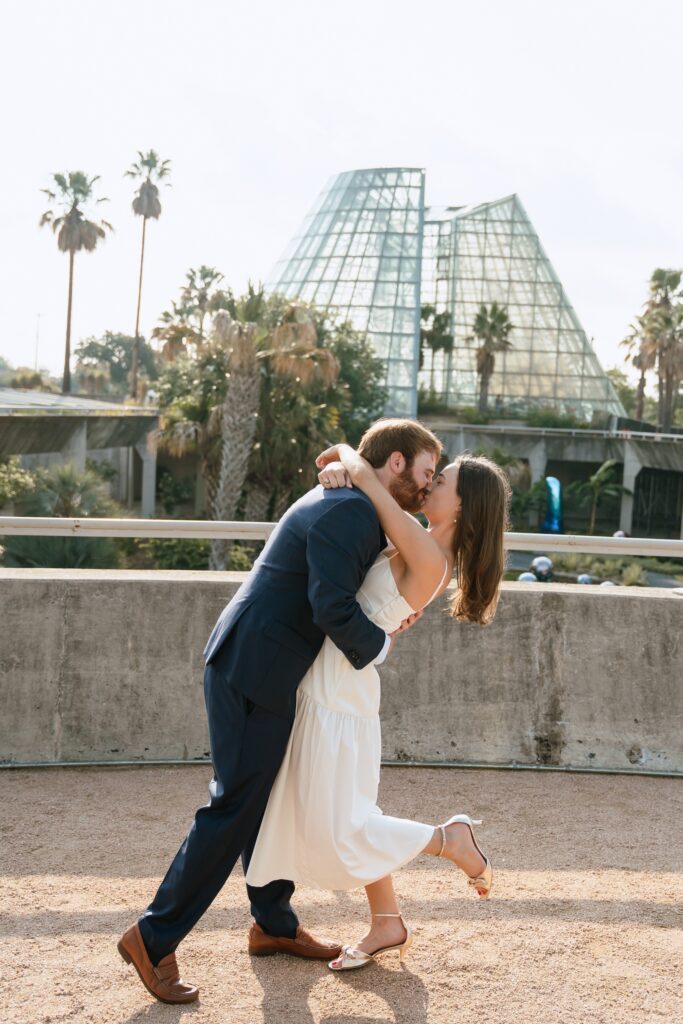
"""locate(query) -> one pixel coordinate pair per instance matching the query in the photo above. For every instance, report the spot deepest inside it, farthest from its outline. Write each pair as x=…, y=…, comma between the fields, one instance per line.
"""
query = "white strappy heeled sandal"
x=352, y=958
x=483, y=882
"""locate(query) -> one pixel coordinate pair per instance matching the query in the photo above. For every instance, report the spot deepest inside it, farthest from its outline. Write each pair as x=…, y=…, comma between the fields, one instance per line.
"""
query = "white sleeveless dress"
x=322, y=826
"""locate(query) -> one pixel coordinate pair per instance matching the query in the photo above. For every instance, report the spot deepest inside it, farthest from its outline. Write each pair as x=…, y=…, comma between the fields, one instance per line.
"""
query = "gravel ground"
x=584, y=923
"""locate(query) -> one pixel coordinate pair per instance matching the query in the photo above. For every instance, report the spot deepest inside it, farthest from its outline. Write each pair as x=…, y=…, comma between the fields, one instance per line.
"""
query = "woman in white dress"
x=322, y=826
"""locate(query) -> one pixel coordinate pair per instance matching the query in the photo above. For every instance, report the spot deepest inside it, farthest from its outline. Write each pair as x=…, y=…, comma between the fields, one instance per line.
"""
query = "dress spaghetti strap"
x=441, y=581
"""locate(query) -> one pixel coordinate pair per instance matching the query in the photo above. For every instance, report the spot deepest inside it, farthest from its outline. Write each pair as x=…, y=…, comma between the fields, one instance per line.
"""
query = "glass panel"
x=406, y=294
x=594, y=387
x=323, y=293
x=341, y=246
x=381, y=319
x=362, y=293
x=389, y=268
x=540, y=385
x=404, y=320
x=385, y=294
x=369, y=269
x=358, y=245
x=333, y=269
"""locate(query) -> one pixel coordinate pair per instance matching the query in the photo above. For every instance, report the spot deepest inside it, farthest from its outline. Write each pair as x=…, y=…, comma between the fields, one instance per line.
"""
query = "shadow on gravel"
x=404, y=993
x=641, y=913
x=164, y=1012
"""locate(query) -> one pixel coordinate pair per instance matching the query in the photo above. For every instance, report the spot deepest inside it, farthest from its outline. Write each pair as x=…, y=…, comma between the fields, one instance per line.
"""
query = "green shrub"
x=64, y=492
x=548, y=417
x=173, y=493
x=241, y=557
x=624, y=570
x=15, y=482
x=160, y=553
x=175, y=554
x=103, y=469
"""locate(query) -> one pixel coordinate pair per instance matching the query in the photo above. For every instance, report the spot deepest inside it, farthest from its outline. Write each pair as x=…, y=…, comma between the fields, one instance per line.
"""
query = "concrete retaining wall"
x=107, y=666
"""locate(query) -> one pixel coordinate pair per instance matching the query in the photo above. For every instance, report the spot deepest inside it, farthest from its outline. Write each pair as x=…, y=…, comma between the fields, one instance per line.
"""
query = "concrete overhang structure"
x=661, y=455
x=45, y=428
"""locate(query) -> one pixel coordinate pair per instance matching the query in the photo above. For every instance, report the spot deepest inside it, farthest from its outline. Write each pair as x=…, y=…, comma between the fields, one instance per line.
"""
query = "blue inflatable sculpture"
x=554, y=517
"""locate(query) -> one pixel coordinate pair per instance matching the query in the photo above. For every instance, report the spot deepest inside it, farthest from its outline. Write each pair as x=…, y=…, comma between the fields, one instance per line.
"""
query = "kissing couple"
x=292, y=697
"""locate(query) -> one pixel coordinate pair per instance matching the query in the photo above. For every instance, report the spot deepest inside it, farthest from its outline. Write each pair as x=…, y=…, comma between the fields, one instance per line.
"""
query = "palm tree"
x=146, y=204
x=643, y=355
x=290, y=348
x=435, y=335
x=491, y=327
x=182, y=327
x=664, y=333
x=212, y=402
x=657, y=341
x=74, y=232
x=598, y=486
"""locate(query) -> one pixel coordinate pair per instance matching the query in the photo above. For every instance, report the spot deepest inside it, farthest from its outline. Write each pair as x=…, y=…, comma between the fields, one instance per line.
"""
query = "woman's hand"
x=334, y=475
x=331, y=454
x=357, y=468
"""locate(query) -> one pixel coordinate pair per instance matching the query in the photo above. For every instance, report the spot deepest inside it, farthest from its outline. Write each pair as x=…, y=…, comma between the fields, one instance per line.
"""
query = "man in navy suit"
x=301, y=588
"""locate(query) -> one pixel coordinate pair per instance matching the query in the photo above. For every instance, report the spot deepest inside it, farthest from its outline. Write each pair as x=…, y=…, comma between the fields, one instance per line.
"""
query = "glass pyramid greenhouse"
x=371, y=250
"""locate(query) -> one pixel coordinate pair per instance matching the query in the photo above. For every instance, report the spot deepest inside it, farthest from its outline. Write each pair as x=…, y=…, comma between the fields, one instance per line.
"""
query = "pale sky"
x=573, y=105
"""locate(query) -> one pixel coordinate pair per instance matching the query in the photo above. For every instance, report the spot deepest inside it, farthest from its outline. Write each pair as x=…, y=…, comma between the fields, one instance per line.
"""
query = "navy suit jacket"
x=302, y=588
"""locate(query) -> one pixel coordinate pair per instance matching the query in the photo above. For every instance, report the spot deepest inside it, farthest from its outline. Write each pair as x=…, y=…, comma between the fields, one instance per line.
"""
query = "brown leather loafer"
x=163, y=981
x=305, y=944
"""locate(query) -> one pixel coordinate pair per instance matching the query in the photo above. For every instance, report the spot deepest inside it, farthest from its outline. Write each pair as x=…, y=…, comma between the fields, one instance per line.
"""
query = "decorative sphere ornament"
x=584, y=578
x=542, y=567
x=608, y=583
x=526, y=577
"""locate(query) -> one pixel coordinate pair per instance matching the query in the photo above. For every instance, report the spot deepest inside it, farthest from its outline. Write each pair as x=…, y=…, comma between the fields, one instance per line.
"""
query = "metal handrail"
x=201, y=529
x=623, y=434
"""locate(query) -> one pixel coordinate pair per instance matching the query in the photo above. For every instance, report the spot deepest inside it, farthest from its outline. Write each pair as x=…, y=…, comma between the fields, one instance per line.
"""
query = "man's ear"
x=396, y=462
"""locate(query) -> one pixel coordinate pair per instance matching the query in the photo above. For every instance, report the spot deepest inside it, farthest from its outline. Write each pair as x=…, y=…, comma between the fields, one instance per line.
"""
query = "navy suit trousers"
x=247, y=746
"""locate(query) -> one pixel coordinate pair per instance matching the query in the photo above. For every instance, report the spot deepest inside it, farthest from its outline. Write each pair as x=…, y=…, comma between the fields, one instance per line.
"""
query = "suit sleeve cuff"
x=381, y=657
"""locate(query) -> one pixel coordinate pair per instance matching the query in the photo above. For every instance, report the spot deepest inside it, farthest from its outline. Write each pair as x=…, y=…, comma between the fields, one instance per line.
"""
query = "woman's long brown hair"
x=478, y=543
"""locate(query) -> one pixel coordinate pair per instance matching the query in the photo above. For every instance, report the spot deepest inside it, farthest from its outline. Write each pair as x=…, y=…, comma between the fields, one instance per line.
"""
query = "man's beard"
x=406, y=492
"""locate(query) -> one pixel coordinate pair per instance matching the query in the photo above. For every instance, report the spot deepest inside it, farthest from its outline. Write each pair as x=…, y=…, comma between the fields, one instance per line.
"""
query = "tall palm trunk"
x=640, y=396
x=136, y=339
x=669, y=400
x=256, y=504
x=484, y=392
x=282, y=503
x=239, y=413
x=66, y=379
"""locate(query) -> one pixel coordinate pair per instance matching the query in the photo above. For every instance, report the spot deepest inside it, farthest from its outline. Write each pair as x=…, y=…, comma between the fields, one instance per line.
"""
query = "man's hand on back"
x=334, y=475
x=407, y=623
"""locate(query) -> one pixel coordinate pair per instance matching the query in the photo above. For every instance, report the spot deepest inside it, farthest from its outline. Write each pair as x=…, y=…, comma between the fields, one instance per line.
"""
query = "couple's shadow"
x=403, y=993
